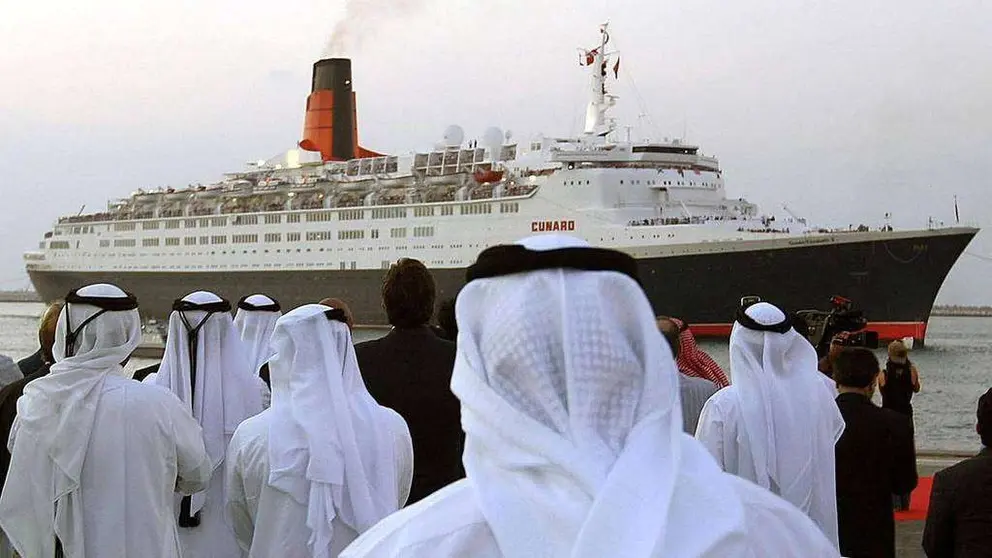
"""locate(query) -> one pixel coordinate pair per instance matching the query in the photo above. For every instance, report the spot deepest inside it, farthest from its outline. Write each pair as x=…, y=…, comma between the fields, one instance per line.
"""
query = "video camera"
x=822, y=326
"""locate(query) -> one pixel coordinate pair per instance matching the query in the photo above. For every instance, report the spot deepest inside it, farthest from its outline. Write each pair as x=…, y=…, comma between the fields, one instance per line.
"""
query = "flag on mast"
x=616, y=69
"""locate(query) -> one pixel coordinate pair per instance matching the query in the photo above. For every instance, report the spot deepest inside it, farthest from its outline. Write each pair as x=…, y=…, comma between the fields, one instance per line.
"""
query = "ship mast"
x=597, y=122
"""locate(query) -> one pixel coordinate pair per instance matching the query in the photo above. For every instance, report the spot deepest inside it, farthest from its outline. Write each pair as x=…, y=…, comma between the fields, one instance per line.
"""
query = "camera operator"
x=898, y=382
x=837, y=344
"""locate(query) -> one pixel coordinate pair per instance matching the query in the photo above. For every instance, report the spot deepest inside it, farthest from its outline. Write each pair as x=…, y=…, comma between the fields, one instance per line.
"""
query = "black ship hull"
x=893, y=279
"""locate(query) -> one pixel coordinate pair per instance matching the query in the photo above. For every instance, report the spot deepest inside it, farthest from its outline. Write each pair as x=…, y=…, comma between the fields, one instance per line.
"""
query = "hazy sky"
x=845, y=110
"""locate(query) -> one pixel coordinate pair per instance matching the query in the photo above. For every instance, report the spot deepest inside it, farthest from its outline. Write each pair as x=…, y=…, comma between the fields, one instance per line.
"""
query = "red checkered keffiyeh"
x=693, y=361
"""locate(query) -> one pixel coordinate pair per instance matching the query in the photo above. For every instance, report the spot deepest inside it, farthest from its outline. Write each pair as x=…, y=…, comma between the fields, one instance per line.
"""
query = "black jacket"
x=959, y=521
x=8, y=412
x=31, y=364
x=875, y=459
x=409, y=371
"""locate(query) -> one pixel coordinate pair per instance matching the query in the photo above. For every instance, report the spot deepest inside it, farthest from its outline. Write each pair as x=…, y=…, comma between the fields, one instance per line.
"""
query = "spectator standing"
x=409, y=371
x=959, y=521
x=875, y=457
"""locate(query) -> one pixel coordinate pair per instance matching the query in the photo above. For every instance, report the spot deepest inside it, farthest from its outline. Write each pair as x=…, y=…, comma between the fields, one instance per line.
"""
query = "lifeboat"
x=484, y=176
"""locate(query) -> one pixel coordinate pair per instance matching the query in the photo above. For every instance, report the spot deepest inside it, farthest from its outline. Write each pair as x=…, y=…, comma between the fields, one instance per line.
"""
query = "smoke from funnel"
x=361, y=17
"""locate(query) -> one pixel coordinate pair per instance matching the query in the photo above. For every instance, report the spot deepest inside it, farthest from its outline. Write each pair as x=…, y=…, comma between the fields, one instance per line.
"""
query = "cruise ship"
x=327, y=217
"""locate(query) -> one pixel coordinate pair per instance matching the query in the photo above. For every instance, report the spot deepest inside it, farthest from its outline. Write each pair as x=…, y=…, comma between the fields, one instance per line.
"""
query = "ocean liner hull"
x=894, y=280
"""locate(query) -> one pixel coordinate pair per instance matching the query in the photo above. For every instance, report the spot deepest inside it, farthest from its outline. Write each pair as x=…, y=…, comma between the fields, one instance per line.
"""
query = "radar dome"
x=454, y=136
x=492, y=139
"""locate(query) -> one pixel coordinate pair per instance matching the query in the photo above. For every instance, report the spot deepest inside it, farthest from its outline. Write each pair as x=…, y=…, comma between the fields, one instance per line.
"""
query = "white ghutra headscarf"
x=790, y=419
x=331, y=447
x=203, y=342
x=97, y=331
x=570, y=406
x=255, y=320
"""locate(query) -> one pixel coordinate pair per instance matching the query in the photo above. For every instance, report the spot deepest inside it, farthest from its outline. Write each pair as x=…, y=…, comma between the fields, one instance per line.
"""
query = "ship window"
x=124, y=243
x=273, y=237
x=172, y=241
x=189, y=241
x=423, y=231
x=244, y=238
x=244, y=220
x=204, y=222
x=374, y=233
x=447, y=210
x=59, y=245
x=273, y=219
x=343, y=266
x=172, y=224
x=190, y=223
x=293, y=237
x=351, y=235
x=293, y=218
x=149, y=242
x=351, y=215
x=218, y=239
x=317, y=236
x=103, y=244
x=352, y=265
x=423, y=212
x=218, y=221
x=122, y=227
x=318, y=216
x=149, y=225
x=398, y=232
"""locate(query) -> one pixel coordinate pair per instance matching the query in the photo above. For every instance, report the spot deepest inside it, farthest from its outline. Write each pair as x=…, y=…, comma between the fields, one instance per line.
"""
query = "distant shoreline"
x=954, y=311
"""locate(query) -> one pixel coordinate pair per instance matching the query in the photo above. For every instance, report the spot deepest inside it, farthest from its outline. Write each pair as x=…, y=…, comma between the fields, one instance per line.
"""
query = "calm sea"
x=955, y=368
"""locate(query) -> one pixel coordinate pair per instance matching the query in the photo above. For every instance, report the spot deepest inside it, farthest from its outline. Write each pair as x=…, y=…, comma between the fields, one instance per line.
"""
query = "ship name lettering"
x=550, y=226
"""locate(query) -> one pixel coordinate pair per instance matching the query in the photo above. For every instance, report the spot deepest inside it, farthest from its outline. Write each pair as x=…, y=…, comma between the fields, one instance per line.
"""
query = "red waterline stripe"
x=887, y=331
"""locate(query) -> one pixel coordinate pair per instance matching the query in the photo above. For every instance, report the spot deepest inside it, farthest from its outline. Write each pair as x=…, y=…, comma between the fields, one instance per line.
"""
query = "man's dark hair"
x=855, y=367
x=985, y=418
x=672, y=334
x=408, y=294
x=446, y=319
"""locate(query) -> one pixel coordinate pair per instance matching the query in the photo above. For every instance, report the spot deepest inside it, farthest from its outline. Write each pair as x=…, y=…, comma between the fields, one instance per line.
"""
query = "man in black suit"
x=959, y=521
x=409, y=371
x=875, y=459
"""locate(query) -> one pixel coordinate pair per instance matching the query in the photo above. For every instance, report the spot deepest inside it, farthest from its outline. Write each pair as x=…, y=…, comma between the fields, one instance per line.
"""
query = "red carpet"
x=918, y=502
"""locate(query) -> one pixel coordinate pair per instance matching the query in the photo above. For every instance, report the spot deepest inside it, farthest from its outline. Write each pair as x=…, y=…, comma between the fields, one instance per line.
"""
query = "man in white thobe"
x=573, y=429
x=96, y=457
x=325, y=462
x=255, y=320
x=205, y=366
x=777, y=423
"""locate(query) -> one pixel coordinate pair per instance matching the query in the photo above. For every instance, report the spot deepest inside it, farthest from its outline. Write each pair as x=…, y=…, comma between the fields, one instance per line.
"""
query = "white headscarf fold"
x=226, y=392
x=570, y=405
x=255, y=328
x=330, y=445
x=790, y=419
x=55, y=421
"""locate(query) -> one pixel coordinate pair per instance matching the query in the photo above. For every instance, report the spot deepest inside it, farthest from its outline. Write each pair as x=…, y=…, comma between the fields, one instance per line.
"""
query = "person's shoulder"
x=978, y=466
x=428, y=526
x=777, y=527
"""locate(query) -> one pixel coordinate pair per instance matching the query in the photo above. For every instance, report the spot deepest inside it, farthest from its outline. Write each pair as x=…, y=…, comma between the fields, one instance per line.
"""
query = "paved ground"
x=910, y=533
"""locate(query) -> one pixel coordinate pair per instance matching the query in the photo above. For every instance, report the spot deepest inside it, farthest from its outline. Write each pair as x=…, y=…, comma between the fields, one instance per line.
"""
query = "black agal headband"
x=181, y=306
x=105, y=304
x=243, y=304
x=337, y=315
x=748, y=322
x=508, y=259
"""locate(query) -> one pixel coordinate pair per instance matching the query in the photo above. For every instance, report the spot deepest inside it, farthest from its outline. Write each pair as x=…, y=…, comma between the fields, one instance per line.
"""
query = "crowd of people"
x=549, y=412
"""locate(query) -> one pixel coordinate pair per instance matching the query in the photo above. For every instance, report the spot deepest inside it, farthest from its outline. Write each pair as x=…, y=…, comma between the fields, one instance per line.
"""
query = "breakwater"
x=962, y=311
x=19, y=296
